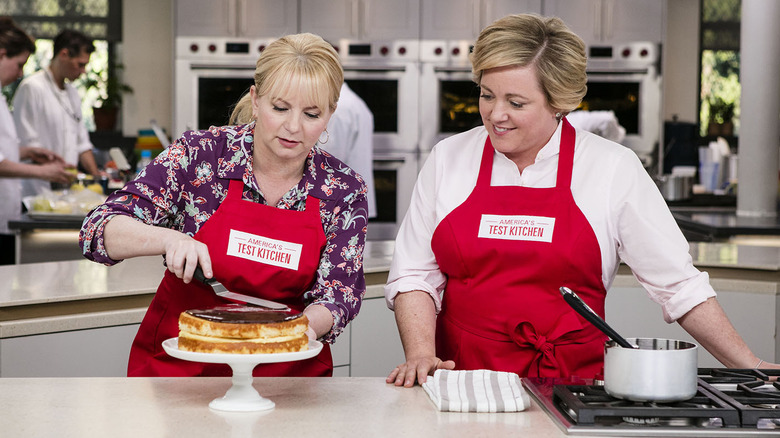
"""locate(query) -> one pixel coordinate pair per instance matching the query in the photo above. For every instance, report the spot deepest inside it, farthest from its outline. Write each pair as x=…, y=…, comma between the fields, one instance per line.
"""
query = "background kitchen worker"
x=504, y=215
x=15, y=47
x=351, y=132
x=47, y=108
x=267, y=180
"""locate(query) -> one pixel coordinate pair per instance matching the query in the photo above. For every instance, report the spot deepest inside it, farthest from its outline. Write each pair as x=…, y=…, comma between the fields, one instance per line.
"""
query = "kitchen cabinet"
x=375, y=344
x=368, y=20
x=97, y=352
x=465, y=19
x=235, y=18
x=754, y=313
x=611, y=21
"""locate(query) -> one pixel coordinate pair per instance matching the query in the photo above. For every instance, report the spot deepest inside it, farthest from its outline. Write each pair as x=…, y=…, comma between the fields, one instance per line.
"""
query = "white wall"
x=147, y=52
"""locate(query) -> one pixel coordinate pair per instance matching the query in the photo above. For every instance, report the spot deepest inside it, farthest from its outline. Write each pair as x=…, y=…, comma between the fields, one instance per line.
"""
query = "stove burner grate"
x=589, y=405
x=757, y=401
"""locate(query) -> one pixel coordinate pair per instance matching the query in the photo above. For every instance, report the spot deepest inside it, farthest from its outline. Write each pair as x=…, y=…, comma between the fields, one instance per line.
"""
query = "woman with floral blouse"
x=258, y=206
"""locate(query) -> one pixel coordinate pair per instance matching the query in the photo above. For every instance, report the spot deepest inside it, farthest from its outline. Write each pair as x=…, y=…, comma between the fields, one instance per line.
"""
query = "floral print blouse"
x=186, y=183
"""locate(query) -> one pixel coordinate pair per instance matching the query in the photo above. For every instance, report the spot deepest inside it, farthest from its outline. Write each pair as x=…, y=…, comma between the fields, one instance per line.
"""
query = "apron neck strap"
x=565, y=155
x=565, y=158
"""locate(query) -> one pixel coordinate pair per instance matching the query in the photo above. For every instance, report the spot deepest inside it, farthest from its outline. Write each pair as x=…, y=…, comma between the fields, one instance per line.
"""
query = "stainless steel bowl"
x=660, y=370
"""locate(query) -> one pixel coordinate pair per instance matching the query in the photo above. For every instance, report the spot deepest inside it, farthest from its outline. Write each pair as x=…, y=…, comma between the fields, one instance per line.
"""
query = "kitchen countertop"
x=712, y=223
x=305, y=407
x=79, y=294
x=72, y=295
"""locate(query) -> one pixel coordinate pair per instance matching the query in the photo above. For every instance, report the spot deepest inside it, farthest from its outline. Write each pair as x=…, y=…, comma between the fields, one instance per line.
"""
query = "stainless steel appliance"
x=624, y=78
x=385, y=75
x=728, y=403
x=210, y=75
x=449, y=98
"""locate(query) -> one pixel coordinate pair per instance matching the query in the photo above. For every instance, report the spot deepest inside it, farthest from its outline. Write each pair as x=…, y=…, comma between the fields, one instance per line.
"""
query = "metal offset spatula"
x=223, y=292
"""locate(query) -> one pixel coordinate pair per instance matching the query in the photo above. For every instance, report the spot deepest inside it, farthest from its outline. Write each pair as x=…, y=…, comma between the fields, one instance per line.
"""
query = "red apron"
x=226, y=234
x=506, y=251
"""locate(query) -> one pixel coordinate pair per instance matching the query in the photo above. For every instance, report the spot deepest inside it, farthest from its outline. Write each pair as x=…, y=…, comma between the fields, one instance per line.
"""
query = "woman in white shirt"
x=505, y=214
x=15, y=48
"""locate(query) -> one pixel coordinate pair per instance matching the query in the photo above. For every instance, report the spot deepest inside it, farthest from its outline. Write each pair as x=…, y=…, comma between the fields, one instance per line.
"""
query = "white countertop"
x=305, y=407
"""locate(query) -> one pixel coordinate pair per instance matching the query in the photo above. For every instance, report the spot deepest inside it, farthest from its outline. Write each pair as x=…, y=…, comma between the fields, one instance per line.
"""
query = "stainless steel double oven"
x=386, y=76
x=212, y=73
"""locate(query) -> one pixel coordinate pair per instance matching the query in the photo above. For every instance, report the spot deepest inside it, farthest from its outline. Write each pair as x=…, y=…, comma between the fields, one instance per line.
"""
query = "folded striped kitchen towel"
x=476, y=391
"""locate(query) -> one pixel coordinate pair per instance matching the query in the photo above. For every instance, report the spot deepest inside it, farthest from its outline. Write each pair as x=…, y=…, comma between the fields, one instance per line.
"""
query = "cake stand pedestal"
x=242, y=396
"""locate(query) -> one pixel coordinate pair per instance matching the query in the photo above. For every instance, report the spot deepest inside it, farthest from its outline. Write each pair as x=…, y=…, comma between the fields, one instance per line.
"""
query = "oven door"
x=394, y=178
x=449, y=103
x=391, y=94
x=207, y=93
x=635, y=97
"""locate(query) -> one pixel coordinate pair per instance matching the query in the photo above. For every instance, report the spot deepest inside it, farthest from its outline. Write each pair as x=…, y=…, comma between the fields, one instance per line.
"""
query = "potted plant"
x=721, y=117
x=111, y=89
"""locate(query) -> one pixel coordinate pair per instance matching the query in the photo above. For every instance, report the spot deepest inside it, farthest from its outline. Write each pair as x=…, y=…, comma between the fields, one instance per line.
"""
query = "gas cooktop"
x=729, y=402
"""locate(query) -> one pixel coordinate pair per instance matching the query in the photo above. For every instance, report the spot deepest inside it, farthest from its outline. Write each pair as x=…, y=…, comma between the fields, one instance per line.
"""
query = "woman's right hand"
x=183, y=254
x=417, y=369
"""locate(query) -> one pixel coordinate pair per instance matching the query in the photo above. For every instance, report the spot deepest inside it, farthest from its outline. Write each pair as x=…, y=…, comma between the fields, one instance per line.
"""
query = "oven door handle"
x=388, y=162
x=372, y=69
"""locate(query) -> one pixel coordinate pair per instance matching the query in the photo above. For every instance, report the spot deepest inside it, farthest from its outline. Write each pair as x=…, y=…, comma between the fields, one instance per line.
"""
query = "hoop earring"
x=327, y=137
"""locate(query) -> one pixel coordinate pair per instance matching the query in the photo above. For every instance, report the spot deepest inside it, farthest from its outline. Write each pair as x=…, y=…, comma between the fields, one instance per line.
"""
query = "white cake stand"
x=242, y=396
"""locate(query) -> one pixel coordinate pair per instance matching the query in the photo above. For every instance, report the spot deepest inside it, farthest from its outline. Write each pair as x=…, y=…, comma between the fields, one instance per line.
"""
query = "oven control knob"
x=402, y=50
x=626, y=52
x=193, y=47
x=456, y=51
x=260, y=48
x=384, y=50
x=438, y=51
x=644, y=53
x=212, y=48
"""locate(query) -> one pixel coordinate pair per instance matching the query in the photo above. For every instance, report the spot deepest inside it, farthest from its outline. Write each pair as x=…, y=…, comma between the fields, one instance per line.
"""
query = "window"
x=44, y=19
x=719, y=87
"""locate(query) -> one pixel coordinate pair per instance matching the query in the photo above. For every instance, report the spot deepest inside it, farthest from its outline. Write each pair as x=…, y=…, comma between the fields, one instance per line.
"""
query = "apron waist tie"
x=567, y=331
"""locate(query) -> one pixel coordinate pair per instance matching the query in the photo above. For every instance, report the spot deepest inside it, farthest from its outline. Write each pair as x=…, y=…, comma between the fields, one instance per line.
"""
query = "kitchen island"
x=305, y=407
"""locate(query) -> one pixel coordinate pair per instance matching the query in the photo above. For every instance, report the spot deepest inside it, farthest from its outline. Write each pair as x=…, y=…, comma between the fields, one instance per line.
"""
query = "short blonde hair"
x=543, y=42
x=303, y=61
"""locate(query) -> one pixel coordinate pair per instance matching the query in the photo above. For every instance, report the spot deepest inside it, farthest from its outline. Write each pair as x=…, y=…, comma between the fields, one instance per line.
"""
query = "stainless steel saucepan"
x=660, y=370
x=643, y=369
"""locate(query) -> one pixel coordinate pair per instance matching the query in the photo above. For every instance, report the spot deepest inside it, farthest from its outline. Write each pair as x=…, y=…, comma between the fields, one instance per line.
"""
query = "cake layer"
x=202, y=344
x=241, y=322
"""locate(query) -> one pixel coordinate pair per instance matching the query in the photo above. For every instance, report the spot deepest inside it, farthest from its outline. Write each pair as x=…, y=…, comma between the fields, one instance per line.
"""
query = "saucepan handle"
x=583, y=309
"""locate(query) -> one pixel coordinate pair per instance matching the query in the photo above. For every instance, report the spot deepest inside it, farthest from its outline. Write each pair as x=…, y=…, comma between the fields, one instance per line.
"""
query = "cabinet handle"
x=232, y=16
x=241, y=9
x=609, y=18
x=596, y=10
x=476, y=21
x=355, y=28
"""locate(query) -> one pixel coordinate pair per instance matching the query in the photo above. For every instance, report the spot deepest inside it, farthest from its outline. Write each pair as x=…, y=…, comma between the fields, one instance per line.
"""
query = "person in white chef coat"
x=47, y=107
x=15, y=48
x=505, y=214
x=351, y=131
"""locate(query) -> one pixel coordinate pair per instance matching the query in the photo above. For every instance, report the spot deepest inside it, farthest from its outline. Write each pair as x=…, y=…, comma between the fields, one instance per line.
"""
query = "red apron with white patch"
x=256, y=250
x=506, y=251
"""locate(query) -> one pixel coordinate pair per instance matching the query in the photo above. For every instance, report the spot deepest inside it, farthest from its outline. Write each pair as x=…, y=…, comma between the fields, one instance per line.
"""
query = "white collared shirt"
x=48, y=117
x=621, y=202
x=10, y=188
